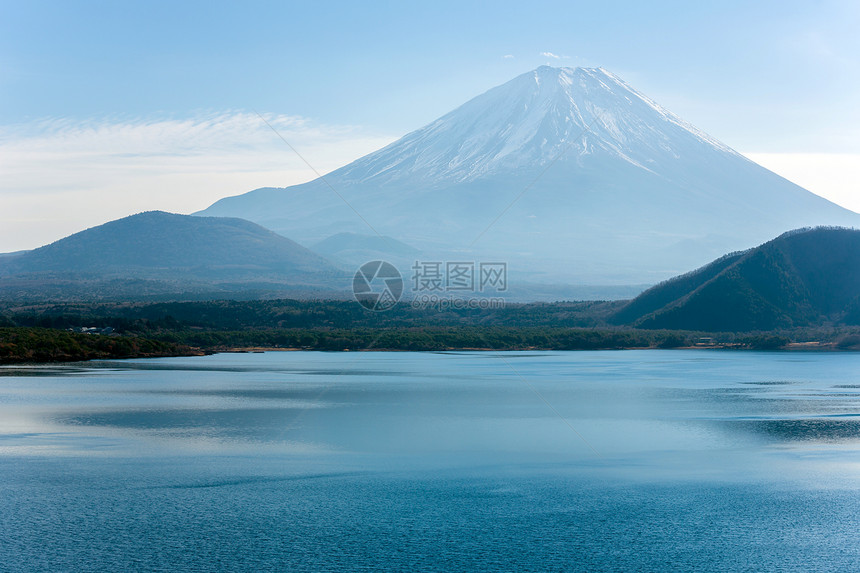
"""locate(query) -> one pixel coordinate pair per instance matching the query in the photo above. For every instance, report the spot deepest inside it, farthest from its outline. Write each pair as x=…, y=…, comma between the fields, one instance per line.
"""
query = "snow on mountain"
x=529, y=122
x=567, y=174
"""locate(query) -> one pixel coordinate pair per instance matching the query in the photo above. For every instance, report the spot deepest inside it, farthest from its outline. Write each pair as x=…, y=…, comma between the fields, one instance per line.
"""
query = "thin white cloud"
x=550, y=55
x=508, y=56
x=60, y=176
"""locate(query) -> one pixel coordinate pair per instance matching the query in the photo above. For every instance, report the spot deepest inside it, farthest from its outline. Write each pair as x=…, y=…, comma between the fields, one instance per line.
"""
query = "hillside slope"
x=802, y=278
x=163, y=252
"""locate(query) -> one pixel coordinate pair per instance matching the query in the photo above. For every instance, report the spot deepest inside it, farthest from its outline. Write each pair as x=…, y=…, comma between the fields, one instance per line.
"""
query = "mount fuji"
x=568, y=175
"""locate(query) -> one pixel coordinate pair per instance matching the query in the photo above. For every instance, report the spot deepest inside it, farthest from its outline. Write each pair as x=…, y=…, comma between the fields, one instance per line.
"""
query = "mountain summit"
x=529, y=122
x=568, y=175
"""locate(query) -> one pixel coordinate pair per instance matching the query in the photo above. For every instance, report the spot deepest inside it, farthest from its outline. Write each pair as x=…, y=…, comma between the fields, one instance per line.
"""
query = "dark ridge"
x=803, y=277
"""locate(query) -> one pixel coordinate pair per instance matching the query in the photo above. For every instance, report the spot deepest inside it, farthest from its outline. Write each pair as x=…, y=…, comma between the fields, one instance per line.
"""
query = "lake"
x=652, y=460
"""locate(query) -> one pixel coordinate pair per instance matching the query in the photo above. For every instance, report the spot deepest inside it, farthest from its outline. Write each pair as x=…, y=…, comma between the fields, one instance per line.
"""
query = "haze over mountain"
x=568, y=175
x=802, y=278
x=158, y=253
x=355, y=249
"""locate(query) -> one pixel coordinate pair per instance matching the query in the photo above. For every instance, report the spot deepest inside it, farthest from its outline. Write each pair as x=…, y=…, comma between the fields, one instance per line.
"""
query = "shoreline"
x=791, y=348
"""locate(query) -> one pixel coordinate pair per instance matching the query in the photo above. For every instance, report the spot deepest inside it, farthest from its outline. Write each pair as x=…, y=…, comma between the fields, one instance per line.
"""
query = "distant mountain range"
x=802, y=278
x=158, y=253
x=583, y=186
x=808, y=277
x=568, y=175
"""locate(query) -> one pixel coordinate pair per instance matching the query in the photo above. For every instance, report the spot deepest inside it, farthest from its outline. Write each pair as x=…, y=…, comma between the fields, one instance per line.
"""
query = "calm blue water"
x=584, y=461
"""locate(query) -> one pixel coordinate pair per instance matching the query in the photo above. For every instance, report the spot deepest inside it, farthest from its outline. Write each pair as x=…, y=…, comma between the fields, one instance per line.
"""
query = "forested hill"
x=804, y=277
x=163, y=253
x=157, y=241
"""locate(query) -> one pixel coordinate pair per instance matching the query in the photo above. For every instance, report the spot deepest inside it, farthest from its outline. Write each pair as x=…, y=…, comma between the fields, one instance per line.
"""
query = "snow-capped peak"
x=539, y=117
x=567, y=174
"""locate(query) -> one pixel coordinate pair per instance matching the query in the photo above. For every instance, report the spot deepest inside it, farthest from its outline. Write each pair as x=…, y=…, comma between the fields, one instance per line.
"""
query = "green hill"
x=158, y=253
x=802, y=278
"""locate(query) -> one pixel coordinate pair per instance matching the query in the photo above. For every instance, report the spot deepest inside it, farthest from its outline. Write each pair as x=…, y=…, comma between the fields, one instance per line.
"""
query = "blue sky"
x=108, y=108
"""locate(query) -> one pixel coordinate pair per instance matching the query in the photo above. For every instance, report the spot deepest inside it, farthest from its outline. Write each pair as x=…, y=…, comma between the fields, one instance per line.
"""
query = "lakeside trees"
x=51, y=345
